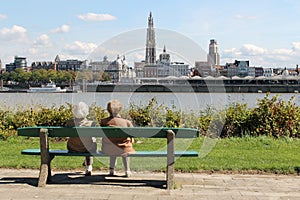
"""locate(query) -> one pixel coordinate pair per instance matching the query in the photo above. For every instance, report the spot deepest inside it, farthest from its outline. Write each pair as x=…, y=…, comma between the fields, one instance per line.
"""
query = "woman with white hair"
x=117, y=146
x=82, y=144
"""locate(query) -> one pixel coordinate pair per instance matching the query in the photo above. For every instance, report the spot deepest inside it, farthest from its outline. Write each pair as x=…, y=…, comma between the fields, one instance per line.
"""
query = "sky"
x=265, y=32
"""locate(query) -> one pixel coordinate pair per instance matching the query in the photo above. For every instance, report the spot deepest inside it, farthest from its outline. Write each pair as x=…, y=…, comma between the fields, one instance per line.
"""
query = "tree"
x=52, y=75
x=106, y=77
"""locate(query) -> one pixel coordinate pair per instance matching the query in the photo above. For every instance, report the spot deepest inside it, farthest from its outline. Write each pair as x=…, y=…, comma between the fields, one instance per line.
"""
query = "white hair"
x=81, y=110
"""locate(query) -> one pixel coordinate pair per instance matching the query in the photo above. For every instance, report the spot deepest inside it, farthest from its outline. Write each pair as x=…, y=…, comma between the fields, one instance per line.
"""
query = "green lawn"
x=250, y=154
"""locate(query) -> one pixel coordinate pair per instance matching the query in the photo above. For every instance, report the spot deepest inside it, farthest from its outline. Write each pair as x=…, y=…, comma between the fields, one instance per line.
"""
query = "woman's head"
x=114, y=107
x=81, y=110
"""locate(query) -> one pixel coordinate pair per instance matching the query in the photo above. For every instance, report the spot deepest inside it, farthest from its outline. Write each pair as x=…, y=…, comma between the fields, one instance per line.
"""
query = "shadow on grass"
x=97, y=179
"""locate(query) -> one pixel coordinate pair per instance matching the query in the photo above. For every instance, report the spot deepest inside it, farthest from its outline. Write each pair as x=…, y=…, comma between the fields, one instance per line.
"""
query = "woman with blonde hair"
x=117, y=146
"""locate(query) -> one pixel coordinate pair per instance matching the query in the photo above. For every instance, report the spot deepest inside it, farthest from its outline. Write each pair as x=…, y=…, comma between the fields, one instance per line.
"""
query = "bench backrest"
x=116, y=132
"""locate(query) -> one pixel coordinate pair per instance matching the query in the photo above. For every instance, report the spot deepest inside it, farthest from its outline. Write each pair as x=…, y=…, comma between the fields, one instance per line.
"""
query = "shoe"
x=128, y=174
x=111, y=172
x=88, y=173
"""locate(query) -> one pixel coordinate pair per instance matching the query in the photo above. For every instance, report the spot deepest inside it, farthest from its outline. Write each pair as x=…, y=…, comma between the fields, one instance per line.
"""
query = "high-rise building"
x=150, y=43
x=213, y=57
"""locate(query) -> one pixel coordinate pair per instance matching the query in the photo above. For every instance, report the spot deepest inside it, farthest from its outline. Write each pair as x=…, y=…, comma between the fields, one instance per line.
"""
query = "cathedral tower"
x=150, y=43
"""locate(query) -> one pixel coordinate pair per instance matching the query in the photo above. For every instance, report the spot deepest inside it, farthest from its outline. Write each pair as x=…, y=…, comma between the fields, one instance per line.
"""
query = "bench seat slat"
x=99, y=153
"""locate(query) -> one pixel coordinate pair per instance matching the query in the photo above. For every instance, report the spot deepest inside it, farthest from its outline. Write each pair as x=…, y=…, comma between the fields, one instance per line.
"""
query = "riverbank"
x=181, y=88
x=196, y=88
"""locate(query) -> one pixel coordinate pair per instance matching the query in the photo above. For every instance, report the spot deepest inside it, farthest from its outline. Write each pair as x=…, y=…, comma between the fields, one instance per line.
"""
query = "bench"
x=47, y=154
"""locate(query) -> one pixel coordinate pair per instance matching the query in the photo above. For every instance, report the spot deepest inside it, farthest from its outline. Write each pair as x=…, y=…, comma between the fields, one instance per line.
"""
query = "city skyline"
x=263, y=32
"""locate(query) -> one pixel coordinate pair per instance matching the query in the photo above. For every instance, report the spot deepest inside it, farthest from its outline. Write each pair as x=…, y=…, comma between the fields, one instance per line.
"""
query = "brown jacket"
x=117, y=146
x=81, y=143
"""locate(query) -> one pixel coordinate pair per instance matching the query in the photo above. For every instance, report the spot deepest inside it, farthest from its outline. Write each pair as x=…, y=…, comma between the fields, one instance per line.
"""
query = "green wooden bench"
x=136, y=132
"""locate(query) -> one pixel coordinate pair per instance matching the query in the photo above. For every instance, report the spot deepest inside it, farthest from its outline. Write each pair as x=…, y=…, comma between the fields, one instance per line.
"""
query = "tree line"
x=42, y=76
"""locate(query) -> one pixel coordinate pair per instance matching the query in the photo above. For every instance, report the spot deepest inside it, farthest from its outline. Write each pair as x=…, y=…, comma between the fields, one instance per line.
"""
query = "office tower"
x=213, y=57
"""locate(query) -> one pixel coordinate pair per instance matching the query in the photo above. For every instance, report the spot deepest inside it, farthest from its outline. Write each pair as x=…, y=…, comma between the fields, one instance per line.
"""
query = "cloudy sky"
x=266, y=32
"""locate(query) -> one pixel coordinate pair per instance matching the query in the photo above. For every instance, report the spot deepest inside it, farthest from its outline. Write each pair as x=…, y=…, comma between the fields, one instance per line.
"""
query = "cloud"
x=80, y=48
x=244, y=17
x=233, y=52
x=296, y=46
x=282, y=51
x=96, y=17
x=62, y=29
x=256, y=54
x=252, y=50
x=42, y=40
x=15, y=33
x=3, y=17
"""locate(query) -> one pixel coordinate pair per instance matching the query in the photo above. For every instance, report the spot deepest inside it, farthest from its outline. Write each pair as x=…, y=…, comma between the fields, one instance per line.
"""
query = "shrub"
x=237, y=120
x=146, y=115
x=271, y=117
x=275, y=117
x=54, y=116
x=96, y=113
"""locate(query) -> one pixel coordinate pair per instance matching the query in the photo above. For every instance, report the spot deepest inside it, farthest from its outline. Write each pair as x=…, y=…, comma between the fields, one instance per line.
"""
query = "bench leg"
x=170, y=160
x=45, y=159
x=49, y=169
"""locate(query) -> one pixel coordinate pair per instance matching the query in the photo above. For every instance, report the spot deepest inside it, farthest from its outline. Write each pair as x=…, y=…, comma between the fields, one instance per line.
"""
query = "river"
x=182, y=101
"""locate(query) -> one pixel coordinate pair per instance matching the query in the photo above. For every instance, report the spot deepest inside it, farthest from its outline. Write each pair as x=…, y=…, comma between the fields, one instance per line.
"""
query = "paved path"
x=21, y=184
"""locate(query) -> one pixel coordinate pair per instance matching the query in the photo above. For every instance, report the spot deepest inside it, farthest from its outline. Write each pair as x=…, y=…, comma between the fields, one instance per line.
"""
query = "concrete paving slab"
x=21, y=184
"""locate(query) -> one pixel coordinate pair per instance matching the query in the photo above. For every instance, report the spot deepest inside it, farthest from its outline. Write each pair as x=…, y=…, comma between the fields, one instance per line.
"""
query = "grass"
x=248, y=154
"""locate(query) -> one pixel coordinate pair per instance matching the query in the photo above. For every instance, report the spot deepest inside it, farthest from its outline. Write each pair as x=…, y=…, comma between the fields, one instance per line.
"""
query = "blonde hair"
x=114, y=107
x=81, y=110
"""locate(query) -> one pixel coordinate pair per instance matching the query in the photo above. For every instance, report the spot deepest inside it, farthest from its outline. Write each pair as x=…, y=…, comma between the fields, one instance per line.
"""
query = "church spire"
x=150, y=43
x=150, y=20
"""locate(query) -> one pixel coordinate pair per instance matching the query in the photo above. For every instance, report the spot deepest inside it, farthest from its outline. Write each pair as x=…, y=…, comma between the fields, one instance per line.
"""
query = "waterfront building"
x=139, y=68
x=256, y=71
x=19, y=62
x=251, y=71
x=204, y=68
x=72, y=65
x=167, y=68
x=238, y=68
x=268, y=72
x=243, y=67
x=179, y=69
x=232, y=69
x=259, y=71
x=100, y=65
x=43, y=65
x=57, y=64
x=119, y=71
x=150, y=70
